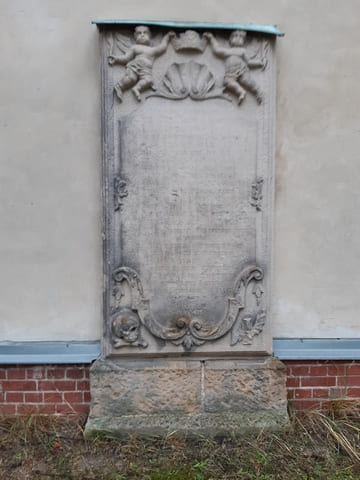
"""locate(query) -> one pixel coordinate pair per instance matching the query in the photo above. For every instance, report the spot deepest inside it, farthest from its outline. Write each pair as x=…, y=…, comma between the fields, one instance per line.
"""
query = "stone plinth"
x=210, y=397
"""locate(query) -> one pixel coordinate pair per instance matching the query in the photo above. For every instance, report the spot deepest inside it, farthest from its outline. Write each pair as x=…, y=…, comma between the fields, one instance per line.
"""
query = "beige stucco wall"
x=50, y=245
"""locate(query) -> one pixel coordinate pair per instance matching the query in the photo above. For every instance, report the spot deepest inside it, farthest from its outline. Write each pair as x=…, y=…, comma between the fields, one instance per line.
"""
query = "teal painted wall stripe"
x=317, y=348
x=48, y=352
x=86, y=352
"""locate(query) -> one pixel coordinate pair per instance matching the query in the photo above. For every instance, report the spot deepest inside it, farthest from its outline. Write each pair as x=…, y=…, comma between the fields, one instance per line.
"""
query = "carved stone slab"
x=188, y=134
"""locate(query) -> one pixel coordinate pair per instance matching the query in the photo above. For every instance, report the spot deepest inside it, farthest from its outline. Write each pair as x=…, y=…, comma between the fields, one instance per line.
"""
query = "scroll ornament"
x=126, y=323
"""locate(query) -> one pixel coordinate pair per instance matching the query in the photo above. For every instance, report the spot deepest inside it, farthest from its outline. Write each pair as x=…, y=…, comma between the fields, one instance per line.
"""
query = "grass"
x=319, y=446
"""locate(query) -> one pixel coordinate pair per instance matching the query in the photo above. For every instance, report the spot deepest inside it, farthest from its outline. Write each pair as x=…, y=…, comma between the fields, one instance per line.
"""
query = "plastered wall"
x=50, y=209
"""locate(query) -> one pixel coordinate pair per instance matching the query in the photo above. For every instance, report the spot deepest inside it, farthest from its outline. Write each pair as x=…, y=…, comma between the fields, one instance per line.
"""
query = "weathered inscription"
x=188, y=225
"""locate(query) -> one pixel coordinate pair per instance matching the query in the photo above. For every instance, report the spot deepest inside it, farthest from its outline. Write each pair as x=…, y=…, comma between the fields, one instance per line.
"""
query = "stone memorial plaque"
x=188, y=186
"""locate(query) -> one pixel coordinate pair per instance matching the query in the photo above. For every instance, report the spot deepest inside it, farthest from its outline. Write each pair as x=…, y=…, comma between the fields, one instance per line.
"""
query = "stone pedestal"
x=188, y=187
x=210, y=397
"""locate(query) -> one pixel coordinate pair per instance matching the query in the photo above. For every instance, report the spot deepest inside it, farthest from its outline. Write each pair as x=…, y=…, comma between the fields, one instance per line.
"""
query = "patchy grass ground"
x=318, y=446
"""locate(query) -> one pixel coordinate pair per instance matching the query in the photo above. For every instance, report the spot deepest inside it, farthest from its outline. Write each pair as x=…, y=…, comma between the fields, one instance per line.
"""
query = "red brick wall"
x=65, y=389
x=312, y=384
x=51, y=389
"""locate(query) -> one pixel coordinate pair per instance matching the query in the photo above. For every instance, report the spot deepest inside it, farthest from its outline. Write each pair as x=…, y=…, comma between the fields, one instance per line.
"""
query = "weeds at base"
x=319, y=446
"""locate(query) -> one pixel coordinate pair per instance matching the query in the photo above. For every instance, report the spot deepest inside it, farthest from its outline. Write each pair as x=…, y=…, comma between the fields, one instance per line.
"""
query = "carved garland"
x=126, y=322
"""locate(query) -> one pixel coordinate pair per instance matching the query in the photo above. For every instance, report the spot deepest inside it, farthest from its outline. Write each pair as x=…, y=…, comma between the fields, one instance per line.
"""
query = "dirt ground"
x=318, y=446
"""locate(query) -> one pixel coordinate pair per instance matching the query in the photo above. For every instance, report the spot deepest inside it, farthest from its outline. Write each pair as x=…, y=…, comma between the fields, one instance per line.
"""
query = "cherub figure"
x=139, y=59
x=237, y=77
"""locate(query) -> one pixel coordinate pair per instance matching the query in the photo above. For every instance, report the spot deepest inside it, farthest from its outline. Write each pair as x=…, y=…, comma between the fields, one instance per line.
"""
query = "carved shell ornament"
x=190, y=79
x=126, y=323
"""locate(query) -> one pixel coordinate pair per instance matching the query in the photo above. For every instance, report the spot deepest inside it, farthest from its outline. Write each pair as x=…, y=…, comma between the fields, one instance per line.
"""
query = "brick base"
x=65, y=389
x=45, y=389
x=314, y=384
